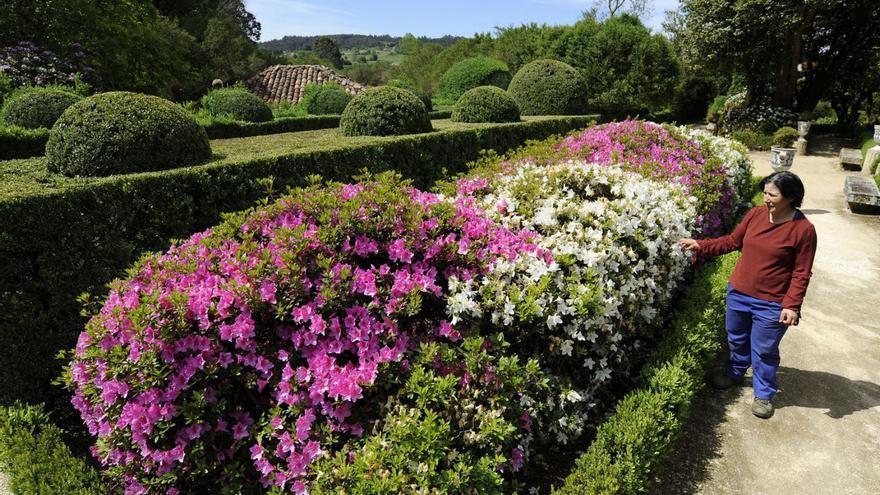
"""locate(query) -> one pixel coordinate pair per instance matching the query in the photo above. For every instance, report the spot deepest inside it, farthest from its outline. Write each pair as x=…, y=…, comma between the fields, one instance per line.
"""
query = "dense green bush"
x=785, y=136
x=470, y=73
x=411, y=86
x=485, y=104
x=549, y=87
x=222, y=130
x=754, y=140
x=716, y=108
x=36, y=460
x=237, y=103
x=325, y=99
x=63, y=237
x=33, y=108
x=17, y=142
x=384, y=111
x=631, y=444
x=122, y=133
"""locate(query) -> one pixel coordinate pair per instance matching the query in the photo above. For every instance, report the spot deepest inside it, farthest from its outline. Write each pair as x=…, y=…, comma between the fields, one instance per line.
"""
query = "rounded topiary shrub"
x=485, y=104
x=325, y=99
x=384, y=111
x=785, y=136
x=549, y=87
x=121, y=133
x=37, y=107
x=411, y=86
x=237, y=103
x=470, y=73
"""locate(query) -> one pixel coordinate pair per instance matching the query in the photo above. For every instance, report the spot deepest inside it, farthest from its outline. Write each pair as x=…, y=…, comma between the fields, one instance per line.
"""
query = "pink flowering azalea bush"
x=664, y=154
x=312, y=332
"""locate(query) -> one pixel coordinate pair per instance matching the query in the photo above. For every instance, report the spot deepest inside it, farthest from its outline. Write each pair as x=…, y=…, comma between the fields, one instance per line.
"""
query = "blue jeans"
x=754, y=333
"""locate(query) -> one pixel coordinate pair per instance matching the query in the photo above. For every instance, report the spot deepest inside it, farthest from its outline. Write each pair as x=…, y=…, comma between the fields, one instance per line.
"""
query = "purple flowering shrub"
x=661, y=153
x=28, y=64
x=251, y=351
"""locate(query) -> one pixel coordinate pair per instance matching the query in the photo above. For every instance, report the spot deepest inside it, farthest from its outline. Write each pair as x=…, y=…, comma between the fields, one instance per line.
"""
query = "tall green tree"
x=326, y=48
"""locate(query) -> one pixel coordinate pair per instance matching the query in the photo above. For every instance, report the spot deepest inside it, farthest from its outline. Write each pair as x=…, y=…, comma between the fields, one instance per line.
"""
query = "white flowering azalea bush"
x=735, y=159
x=615, y=266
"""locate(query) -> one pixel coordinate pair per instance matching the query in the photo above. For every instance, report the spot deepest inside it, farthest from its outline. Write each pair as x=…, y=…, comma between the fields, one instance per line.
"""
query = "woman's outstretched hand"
x=689, y=245
x=788, y=317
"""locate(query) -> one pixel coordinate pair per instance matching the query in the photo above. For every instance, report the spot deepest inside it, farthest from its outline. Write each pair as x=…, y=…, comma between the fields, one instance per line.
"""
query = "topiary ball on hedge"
x=485, y=104
x=549, y=87
x=411, y=86
x=470, y=73
x=325, y=99
x=37, y=107
x=384, y=111
x=237, y=103
x=122, y=133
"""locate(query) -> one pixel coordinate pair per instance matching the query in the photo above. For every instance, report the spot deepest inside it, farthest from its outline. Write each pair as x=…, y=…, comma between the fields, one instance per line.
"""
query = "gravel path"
x=825, y=435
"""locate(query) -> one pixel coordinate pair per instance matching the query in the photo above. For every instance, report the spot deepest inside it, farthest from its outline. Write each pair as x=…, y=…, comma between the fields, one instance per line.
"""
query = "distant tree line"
x=348, y=41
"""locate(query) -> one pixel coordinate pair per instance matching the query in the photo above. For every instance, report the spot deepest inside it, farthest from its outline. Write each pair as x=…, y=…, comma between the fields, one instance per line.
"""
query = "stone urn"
x=781, y=159
x=877, y=134
x=803, y=128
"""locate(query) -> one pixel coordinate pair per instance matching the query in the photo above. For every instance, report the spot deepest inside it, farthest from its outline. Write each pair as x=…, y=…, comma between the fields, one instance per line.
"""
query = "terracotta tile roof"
x=286, y=82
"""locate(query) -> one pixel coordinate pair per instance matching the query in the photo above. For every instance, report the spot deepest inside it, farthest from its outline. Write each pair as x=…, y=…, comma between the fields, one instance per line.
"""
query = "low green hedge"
x=225, y=130
x=18, y=142
x=61, y=237
x=754, y=140
x=35, y=458
x=631, y=444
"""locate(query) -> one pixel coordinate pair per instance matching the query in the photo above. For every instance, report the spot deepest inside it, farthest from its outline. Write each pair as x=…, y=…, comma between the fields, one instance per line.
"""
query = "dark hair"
x=789, y=185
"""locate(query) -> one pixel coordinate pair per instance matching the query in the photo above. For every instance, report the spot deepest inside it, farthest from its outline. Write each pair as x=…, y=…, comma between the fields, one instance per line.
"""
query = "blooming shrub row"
x=373, y=338
x=664, y=154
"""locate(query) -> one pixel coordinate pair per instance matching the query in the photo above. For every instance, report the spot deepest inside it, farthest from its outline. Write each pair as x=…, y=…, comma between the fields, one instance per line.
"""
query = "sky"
x=421, y=18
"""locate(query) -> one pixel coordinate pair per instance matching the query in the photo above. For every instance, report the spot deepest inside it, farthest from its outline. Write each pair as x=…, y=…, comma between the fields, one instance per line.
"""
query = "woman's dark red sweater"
x=777, y=259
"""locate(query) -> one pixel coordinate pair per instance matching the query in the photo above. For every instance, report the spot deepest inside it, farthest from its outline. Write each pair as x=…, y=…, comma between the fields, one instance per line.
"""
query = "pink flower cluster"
x=657, y=152
x=256, y=343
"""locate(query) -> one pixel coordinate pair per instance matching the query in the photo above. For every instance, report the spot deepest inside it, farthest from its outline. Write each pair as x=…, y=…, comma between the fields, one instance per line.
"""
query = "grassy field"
x=29, y=177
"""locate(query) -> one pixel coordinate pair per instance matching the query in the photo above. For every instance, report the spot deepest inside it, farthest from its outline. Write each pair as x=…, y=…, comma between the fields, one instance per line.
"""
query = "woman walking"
x=767, y=286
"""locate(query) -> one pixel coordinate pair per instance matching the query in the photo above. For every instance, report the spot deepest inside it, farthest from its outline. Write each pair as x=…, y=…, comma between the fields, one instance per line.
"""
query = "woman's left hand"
x=789, y=317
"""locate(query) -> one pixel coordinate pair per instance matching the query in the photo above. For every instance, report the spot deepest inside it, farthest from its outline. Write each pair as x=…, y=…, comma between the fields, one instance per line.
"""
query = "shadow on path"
x=828, y=146
x=814, y=211
x=687, y=465
x=820, y=390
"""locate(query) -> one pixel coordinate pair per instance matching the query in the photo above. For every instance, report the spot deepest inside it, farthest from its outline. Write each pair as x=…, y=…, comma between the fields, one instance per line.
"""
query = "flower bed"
x=663, y=154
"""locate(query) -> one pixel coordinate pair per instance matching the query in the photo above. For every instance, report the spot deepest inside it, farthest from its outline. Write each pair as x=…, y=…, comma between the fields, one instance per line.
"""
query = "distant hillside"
x=347, y=41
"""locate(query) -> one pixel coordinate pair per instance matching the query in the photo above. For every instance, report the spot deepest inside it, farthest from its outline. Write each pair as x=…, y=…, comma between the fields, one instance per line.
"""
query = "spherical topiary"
x=485, y=104
x=411, y=86
x=470, y=73
x=785, y=136
x=549, y=87
x=325, y=99
x=37, y=107
x=237, y=103
x=121, y=133
x=384, y=111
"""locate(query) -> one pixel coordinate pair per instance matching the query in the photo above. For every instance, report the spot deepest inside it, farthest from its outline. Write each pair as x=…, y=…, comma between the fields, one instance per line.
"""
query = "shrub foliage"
x=325, y=99
x=411, y=86
x=33, y=108
x=237, y=103
x=470, y=73
x=485, y=104
x=549, y=87
x=121, y=133
x=384, y=111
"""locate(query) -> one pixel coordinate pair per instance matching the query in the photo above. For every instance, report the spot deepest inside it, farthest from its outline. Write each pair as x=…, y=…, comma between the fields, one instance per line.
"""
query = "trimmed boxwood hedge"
x=411, y=86
x=237, y=103
x=549, y=87
x=632, y=443
x=325, y=99
x=34, y=108
x=471, y=73
x=123, y=133
x=485, y=104
x=384, y=111
x=61, y=237
x=17, y=142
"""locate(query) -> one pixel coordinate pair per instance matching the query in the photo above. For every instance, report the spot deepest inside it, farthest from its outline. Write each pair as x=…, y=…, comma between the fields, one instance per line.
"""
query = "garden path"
x=825, y=435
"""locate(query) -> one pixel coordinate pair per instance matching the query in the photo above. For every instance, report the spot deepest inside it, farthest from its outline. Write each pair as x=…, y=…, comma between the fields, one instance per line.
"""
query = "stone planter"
x=781, y=159
x=803, y=128
x=877, y=134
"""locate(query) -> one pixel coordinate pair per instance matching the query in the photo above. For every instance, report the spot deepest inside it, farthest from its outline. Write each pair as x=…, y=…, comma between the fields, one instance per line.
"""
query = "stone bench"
x=850, y=159
x=862, y=194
